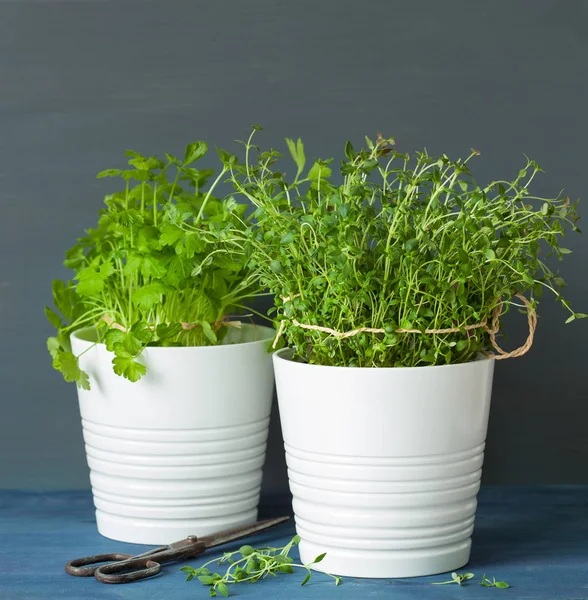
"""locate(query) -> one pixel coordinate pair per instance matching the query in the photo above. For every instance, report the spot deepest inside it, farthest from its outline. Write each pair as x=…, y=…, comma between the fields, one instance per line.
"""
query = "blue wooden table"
x=534, y=538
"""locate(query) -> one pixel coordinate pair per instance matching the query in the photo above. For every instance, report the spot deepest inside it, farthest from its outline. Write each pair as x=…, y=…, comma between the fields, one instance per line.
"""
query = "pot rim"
x=267, y=335
x=278, y=355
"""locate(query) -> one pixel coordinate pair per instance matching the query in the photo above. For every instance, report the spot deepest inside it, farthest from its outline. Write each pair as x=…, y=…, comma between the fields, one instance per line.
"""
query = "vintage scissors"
x=129, y=568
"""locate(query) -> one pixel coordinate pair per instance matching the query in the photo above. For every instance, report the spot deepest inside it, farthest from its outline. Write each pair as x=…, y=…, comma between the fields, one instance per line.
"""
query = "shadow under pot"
x=384, y=464
x=181, y=451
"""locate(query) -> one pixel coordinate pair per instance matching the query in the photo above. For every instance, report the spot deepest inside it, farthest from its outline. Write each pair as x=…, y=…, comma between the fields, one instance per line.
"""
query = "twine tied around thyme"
x=491, y=329
x=185, y=326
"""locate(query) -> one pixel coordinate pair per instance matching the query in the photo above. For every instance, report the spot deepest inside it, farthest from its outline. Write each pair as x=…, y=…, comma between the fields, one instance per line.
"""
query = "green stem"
x=214, y=184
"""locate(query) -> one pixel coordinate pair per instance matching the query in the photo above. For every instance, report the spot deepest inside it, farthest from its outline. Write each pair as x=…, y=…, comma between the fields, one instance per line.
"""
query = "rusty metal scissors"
x=128, y=568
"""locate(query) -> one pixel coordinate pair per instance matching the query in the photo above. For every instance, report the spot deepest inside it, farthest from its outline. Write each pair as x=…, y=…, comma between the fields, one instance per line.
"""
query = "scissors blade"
x=229, y=535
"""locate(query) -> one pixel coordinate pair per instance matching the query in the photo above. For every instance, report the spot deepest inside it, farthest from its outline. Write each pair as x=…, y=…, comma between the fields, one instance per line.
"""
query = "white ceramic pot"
x=181, y=451
x=384, y=463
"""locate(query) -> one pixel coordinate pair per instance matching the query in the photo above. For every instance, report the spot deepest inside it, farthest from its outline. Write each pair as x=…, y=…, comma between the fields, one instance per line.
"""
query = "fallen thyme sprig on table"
x=499, y=584
x=461, y=578
x=457, y=578
x=250, y=565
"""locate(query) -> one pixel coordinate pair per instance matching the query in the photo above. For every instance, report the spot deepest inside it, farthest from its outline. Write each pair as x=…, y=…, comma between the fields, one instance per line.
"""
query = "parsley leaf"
x=129, y=368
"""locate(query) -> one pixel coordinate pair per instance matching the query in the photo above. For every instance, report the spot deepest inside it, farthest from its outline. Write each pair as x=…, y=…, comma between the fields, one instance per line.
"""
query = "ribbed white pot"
x=384, y=463
x=181, y=451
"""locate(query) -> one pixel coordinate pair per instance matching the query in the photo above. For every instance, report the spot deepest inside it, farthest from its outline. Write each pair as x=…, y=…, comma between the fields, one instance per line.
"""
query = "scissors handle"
x=78, y=567
x=149, y=563
x=127, y=571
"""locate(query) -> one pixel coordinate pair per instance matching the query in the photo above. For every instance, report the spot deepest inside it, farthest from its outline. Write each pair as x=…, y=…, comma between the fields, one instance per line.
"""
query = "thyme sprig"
x=249, y=565
x=462, y=578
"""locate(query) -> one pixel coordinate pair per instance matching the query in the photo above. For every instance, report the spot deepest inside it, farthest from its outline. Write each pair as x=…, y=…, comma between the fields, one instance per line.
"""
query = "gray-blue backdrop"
x=81, y=81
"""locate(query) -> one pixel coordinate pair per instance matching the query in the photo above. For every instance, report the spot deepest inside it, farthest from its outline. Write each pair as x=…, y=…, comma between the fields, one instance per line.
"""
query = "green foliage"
x=250, y=565
x=498, y=584
x=156, y=270
x=461, y=578
x=401, y=243
x=456, y=578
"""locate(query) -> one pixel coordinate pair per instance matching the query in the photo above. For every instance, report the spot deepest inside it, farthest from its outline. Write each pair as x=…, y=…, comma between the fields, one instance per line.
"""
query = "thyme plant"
x=401, y=244
x=148, y=274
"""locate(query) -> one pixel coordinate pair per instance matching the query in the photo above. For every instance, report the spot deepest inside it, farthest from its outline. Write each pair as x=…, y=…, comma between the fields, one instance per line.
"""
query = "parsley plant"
x=150, y=273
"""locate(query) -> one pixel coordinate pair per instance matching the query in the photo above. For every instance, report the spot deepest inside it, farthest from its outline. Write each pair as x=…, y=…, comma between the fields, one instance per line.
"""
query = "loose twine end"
x=492, y=330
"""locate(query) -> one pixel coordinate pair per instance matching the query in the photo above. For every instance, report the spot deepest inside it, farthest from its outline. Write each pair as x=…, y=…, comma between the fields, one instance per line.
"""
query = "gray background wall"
x=81, y=81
